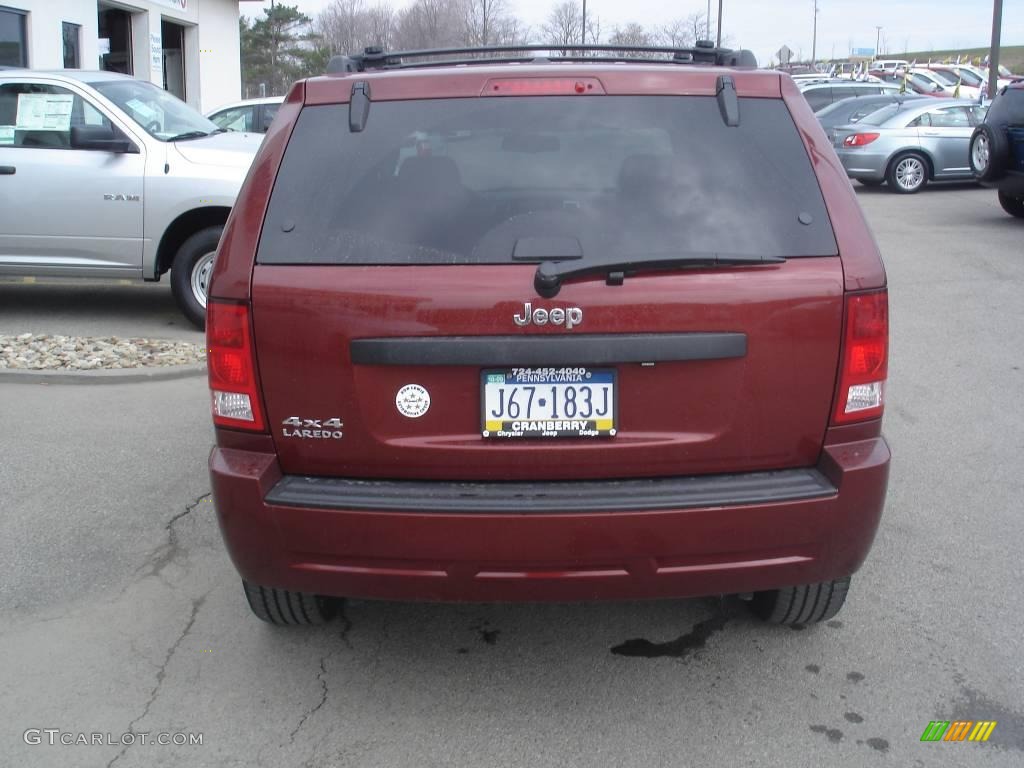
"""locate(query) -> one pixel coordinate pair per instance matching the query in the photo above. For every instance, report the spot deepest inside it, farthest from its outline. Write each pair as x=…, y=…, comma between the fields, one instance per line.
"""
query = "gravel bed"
x=43, y=352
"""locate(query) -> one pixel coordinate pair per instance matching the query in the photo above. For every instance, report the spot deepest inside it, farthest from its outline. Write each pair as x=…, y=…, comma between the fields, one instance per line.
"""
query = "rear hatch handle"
x=550, y=275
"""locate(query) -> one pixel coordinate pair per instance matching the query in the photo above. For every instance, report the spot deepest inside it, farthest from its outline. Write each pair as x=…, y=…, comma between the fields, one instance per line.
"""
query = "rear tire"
x=283, y=608
x=805, y=604
x=1012, y=204
x=907, y=174
x=191, y=271
x=989, y=152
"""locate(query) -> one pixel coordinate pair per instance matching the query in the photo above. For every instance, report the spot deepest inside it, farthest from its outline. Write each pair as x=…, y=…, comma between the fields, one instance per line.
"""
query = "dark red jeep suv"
x=541, y=327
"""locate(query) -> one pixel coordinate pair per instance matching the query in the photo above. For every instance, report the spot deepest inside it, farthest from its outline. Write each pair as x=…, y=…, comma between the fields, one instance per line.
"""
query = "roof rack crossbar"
x=703, y=53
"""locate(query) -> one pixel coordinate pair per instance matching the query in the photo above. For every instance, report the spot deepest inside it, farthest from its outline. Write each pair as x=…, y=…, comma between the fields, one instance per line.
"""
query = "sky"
x=765, y=25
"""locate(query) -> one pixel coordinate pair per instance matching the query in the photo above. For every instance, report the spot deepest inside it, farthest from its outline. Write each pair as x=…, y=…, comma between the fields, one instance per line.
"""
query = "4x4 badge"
x=316, y=429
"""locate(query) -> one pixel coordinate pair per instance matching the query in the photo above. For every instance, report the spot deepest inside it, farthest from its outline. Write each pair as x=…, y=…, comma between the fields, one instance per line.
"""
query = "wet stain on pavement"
x=834, y=734
x=488, y=636
x=680, y=648
x=880, y=744
x=813, y=669
x=853, y=717
x=835, y=624
x=854, y=677
x=975, y=705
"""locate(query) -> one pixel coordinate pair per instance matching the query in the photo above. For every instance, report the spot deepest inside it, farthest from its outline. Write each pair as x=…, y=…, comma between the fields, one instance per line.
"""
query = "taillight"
x=859, y=139
x=542, y=86
x=230, y=362
x=865, y=358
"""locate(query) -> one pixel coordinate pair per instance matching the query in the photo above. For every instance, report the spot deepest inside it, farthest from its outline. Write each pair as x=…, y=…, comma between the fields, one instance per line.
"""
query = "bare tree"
x=697, y=23
x=488, y=22
x=676, y=34
x=563, y=26
x=429, y=24
x=381, y=21
x=341, y=25
x=630, y=37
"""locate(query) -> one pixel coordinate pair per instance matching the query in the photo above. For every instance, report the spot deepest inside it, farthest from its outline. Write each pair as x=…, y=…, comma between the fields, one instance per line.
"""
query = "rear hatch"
x=400, y=333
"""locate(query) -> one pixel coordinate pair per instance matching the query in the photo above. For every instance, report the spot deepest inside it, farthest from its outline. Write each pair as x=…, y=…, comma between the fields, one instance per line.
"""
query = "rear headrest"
x=440, y=174
x=650, y=174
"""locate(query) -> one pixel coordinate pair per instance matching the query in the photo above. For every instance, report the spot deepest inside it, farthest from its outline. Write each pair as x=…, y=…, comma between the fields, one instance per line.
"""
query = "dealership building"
x=188, y=47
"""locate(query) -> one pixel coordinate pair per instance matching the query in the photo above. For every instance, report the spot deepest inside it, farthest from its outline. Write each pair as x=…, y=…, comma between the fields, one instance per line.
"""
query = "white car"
x=254, y=115
x=102, y=175
x=889, y=66
x=947, y=82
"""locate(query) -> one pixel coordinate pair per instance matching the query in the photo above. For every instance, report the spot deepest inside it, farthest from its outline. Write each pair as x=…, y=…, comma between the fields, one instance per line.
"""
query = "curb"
x=102, y=376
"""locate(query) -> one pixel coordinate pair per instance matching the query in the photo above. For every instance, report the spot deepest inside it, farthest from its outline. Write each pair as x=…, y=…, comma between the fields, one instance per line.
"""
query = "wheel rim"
x=201, y=272
x=980, y=152
x=909, y=173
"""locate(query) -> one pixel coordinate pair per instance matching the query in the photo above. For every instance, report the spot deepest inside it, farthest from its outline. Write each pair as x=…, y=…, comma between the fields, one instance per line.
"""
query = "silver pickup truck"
x=102, y=175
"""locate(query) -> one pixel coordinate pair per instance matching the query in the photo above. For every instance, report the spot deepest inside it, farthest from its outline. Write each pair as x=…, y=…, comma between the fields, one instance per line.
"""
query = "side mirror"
x=103, y=138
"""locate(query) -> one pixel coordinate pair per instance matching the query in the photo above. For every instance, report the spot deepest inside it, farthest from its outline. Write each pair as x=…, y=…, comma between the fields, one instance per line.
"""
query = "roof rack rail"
x=704, y=52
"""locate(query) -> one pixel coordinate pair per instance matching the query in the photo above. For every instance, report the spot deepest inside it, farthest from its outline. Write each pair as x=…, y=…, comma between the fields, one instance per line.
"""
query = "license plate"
x=548, y=402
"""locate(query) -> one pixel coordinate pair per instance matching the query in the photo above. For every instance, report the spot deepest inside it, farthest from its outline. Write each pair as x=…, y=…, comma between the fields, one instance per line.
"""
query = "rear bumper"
x=547, y=545
x=861, y=164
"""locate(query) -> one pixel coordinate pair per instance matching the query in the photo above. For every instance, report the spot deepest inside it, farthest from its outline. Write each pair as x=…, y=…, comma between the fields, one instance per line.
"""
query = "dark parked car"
x=855, y=108
x=997, y=149
x=547, y=330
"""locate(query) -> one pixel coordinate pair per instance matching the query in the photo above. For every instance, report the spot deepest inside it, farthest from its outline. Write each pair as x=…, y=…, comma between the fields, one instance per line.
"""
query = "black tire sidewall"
x=890, y=174
x=998, y=152
x=193, y=249
x=1012, y=204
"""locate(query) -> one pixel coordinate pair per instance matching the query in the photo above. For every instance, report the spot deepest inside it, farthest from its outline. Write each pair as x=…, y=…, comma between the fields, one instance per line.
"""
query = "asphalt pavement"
x=122, y=612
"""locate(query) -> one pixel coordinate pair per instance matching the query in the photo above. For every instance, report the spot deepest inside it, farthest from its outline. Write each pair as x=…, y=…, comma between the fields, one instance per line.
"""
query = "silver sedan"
x=907, y=145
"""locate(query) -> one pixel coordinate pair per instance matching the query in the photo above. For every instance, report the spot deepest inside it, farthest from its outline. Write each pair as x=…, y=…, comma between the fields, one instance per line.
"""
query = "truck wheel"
x=989, y=152
x=907, y=174
x=1012, y=205
x=283, y=608
x=191, y=271
x=805, y=604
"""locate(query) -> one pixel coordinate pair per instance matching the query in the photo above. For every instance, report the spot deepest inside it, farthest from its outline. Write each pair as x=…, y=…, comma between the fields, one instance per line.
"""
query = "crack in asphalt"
x=160, y=673
x=168, y=552
x=346, y=627
x=321, y=677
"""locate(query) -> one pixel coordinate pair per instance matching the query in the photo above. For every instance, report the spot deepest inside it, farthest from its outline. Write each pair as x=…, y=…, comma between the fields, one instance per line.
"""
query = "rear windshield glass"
x=475, y=181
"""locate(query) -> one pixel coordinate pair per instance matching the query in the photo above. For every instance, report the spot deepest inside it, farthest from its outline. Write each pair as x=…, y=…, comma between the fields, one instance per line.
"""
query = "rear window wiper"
x=550, y=275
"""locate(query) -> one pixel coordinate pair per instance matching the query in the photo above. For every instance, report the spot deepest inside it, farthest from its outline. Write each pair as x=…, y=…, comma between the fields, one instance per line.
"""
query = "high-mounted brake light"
x=230, y=363
x=859, y=139
x=865, y=358
x=543, y=86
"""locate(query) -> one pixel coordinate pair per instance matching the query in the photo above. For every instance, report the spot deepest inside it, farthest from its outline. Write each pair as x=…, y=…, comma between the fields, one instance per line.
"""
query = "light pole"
x=993, y=54
x=707, y=21
x=583, y=32
x=814, y=39
x=878, y=40
x=718, y=44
